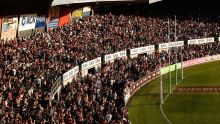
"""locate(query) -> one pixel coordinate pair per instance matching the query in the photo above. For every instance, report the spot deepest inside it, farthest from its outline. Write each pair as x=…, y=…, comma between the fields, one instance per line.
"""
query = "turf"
x=193, y=108
x=179, y=108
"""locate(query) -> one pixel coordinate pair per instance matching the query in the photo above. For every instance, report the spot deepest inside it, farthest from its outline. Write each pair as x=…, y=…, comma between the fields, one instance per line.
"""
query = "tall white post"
x=182, y=62
x=176, y=51
x=161, y=84
x=170, y=88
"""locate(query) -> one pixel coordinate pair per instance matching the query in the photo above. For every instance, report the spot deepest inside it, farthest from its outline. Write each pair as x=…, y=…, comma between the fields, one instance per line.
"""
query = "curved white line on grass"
x=164, y=115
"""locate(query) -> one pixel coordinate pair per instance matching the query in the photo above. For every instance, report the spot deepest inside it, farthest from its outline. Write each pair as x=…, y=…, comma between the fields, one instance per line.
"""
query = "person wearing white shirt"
x=108, y=117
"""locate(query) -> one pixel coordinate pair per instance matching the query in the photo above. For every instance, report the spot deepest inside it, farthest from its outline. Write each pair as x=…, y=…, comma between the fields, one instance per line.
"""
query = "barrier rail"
x=135, y=86
x=70, y=74
x=56, y=85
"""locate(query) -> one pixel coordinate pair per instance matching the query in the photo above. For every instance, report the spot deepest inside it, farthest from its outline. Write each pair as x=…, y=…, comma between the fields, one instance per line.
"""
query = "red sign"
x=65, y=16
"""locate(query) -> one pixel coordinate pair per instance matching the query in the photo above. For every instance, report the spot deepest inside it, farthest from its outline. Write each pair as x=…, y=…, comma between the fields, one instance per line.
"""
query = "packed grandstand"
x=33, y=68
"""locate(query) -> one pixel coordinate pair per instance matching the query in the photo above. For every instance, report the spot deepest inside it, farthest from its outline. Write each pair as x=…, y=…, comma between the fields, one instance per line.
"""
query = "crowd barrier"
x=201, y=41
x=97, y=63
x=70, y=75
x=117, y=55
x=140, y=50
x=55, y=88
x=201, y=60
x=135, y=86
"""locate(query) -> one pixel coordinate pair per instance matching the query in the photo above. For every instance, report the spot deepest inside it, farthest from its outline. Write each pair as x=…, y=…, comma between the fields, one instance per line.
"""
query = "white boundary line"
x=164, y=115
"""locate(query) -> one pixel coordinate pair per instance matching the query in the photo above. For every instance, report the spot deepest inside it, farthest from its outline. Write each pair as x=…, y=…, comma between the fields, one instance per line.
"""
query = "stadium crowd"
x=28, y=67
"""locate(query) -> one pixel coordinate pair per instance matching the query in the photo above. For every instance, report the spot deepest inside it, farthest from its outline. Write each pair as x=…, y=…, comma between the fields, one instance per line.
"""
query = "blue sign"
x=41, y=22
x=53, y=23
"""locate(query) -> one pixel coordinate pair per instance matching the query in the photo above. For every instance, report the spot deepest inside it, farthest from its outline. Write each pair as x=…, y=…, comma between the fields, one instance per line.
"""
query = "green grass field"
x=179, y=108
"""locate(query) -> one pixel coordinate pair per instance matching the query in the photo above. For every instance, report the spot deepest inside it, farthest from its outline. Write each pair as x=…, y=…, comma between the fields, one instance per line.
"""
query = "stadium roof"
x=65, y=2
x=13, y=7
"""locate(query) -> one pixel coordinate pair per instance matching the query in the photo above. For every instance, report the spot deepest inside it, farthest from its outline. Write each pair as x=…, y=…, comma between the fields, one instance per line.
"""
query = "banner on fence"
x=53, y=17
x=141, y=50
x=116, y=55
x=40, y=22
x=73, y=71
x=92, y=63
x=9, y=27
x=171, y=44
x=201, y=41
x=70, y=73
x=27, y=22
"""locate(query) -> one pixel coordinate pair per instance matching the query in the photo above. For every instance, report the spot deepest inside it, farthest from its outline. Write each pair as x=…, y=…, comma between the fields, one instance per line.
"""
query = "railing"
x=111, y=57
x=135, y=86
x=56, y=85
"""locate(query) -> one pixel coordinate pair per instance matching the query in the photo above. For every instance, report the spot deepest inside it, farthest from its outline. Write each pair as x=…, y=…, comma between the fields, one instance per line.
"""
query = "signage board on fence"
x=27, y=22
x=210, y=40
x=134, y=51
x=179, y=43
x=201, y=41
x=9, y=27
x=119, y=54
x=151, y=48
x=65, y=76
x=116, y=55
x=108, y=57
x=91, y=63
x=122, y=54
x=40, y=22
x=70, y=73
x=164, y=46
x=73, y=71
x=171, y=44
x=141, y=50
